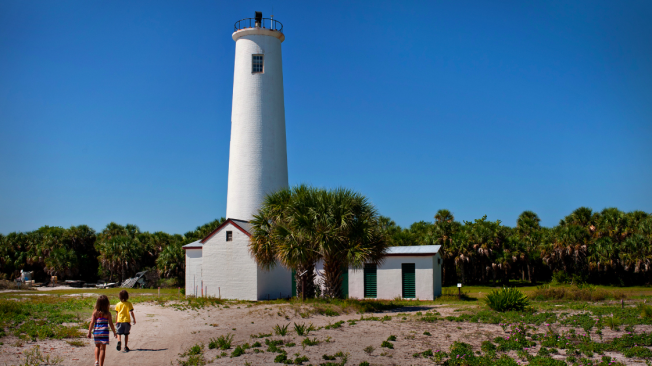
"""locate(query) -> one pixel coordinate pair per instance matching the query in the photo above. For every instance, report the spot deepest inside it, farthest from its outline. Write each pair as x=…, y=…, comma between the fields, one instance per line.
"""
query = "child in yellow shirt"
x=123, y=320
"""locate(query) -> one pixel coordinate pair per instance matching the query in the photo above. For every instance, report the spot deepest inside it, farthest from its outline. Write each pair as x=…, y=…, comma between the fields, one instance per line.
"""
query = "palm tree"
x=349, y=234
x=171, y=261
x=120, y=255
x=283, y=232
x=296, y=227
x=528, y=230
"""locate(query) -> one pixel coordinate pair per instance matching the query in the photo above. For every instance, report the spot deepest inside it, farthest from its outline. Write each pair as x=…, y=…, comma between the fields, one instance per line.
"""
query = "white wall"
x=390, y=280
x=356, y=283
x=275, y=283
x=228, y=266
x=258, y=153
x=193, y=271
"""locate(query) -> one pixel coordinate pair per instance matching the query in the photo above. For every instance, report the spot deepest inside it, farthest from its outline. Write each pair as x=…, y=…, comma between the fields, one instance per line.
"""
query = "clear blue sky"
x=120, y=110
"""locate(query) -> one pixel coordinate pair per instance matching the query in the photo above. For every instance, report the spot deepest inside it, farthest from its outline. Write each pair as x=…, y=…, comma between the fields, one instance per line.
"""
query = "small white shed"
x=220, y=265
x=410, y=272
x=193, y=268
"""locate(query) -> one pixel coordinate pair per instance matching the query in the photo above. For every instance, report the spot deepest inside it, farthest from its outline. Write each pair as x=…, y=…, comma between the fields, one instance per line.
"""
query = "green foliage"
x=335, y=325
x=613, y=322
x=645, y=310
x=238, y=351
x=273, y=345
x=303, y=329
x=34, y=357
x=392, y=338
x=221, y=342
x=507, y=299
x=309, y=342
x=281, y=329
x=386, y=344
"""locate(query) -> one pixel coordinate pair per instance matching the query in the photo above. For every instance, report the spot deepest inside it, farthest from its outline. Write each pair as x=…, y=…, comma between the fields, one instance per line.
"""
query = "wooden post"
x=622, y=303
x=159, y=291
x=219, y=292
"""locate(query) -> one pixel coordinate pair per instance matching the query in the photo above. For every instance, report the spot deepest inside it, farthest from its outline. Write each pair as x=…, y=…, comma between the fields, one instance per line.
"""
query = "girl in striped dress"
x=99, y=327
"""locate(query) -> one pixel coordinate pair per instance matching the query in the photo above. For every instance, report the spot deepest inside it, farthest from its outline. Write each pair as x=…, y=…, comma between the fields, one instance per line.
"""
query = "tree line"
x=115, y=253
x=302, y=225
x=605, y=247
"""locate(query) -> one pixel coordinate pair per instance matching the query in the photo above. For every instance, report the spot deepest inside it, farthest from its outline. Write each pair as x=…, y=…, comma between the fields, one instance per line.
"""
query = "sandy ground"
x=162, y=332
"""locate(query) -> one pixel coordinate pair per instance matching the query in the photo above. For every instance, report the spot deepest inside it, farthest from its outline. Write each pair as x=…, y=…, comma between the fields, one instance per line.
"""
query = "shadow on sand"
x=149, y=349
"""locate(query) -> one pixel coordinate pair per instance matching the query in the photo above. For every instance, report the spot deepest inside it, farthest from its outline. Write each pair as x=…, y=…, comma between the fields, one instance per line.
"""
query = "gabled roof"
x=415, y=250
x=243, y=225
x=194, y=245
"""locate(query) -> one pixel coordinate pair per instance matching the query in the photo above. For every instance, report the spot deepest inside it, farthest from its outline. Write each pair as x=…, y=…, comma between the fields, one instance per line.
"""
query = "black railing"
x=266, y=23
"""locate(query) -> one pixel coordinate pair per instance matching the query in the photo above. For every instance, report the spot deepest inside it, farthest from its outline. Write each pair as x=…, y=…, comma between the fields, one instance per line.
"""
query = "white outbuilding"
x=220, y=266
x=410, y=272
x=407, y=272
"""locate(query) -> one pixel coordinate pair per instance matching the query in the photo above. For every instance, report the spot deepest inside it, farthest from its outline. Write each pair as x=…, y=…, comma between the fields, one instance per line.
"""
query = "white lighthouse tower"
x=258, y=156
x=220, y=264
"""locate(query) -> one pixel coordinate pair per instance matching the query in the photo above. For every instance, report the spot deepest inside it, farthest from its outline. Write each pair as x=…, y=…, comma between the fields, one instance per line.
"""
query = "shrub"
x=309, y=342
x=613, y=322
x=335, y=326
x=237, y=352
x=281, y=329
x=392, y=338
x=638, y=351
x=221, y=342
x=427, y=333
x=507, y=299
x=645, y=310
x=386, y=344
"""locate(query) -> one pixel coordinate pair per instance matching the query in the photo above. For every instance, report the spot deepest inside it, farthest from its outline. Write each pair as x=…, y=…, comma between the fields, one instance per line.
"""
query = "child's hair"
x=102, y=305
x=124, y=295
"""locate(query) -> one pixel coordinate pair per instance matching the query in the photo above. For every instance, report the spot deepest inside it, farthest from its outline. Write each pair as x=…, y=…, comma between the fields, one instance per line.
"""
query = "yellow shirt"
x=123, y=309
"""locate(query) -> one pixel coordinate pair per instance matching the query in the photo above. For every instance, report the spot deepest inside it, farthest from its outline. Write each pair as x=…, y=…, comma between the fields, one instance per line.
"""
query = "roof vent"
x=259, y=18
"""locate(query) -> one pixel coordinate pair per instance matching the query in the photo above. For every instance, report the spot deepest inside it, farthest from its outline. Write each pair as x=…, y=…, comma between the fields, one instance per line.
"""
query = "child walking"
x=123, y=310
x=99, y=326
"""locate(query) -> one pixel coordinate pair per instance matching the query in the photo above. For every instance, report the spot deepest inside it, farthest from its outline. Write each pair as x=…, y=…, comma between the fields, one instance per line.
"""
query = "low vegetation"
x=507, y=299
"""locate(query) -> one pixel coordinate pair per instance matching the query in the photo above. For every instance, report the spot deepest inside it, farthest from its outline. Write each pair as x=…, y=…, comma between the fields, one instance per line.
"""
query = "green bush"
x=507, y=299
x=386, y=344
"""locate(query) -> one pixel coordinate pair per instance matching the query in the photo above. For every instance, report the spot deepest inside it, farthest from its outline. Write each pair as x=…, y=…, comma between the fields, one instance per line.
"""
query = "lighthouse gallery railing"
x=266, y=23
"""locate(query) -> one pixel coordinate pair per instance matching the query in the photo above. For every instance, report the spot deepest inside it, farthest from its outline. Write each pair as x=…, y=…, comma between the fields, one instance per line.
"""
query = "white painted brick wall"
x=258, y=153
x=390, y=280
x=228, y=266
x=193, y=270
x=230, y=271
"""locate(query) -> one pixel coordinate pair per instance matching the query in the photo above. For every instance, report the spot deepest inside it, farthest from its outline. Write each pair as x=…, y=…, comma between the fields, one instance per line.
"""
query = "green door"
x=370, y=284
x=294, y=283
x=409, y=290
x=345, y=282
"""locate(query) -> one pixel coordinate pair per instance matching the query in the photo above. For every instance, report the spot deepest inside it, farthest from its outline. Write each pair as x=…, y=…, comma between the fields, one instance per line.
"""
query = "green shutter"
x=294, y=283
x=409, y=291
x=370, y=284
x=345, y=283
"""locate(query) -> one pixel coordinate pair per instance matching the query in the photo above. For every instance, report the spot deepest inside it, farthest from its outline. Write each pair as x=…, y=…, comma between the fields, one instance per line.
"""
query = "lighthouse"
x=220, y=264
x=258, y=154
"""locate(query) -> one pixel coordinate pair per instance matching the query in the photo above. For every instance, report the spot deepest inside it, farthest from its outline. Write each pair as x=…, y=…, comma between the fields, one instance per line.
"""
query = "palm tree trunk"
x=332, y=277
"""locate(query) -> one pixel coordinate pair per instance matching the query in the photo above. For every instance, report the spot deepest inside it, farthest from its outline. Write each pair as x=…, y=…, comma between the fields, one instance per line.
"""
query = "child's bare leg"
x=97, y=352
x=102, y=354
x=126, y=339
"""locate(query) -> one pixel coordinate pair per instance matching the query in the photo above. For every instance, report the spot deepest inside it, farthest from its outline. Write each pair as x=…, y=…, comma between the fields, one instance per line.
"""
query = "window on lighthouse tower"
x=257, y=64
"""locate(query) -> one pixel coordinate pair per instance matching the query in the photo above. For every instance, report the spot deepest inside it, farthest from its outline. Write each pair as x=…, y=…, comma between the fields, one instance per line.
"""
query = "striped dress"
x=101, y=330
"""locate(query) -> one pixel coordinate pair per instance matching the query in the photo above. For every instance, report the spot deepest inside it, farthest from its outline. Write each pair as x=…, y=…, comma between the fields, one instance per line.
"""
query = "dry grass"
x=576, y=294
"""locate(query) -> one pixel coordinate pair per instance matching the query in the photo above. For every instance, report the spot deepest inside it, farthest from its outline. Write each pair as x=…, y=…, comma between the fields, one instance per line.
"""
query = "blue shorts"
x=122, y=328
